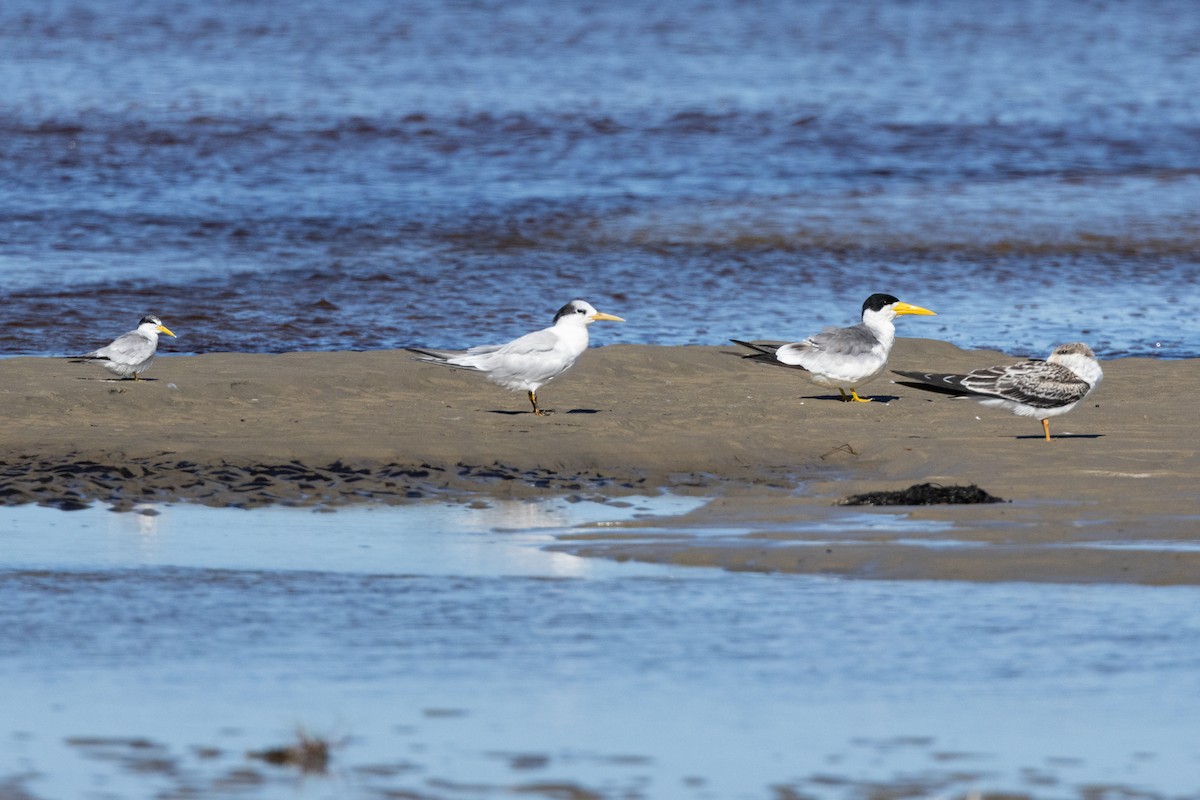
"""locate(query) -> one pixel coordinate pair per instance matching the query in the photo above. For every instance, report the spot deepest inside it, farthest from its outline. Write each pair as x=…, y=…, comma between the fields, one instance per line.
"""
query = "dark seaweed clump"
x=924, y=494
x=309, y=754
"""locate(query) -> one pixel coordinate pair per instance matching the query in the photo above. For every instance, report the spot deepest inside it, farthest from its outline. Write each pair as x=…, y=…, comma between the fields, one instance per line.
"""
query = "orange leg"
x=533, y=399
x=1046, y=428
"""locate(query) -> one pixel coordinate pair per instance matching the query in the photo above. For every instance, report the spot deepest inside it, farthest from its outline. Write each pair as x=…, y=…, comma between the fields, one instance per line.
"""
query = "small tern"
x=1033, y=388
x=533, y=360
x=130, y=354
x=843, y=358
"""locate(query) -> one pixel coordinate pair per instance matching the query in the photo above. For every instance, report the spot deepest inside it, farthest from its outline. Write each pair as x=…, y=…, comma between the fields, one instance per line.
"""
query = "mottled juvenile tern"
x=843, y=358
x=1034, y=388
x=533, y=360
x=130, y=354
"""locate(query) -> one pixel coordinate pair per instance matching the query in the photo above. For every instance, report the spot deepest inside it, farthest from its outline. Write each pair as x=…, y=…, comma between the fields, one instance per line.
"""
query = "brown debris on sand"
x=924, y=494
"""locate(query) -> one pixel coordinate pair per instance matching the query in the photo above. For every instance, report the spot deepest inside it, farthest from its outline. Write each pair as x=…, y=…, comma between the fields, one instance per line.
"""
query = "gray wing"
x=837, y=351
x=1037, y=384
x=128, y=348
x=836, y=343
x=856, y=340
x=526, y=350
x=531, y=343
x=486, y=357
x=439, y=357
x=542, y=341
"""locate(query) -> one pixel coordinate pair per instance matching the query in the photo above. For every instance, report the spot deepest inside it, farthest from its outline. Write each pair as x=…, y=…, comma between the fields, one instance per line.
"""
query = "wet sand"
x=775, y=450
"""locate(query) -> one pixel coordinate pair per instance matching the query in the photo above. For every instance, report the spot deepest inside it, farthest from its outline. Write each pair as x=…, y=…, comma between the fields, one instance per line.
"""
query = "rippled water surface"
x=444, y=654
x=271, y=177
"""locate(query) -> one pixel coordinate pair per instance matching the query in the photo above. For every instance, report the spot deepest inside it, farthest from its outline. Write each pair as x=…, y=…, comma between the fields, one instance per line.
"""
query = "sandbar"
x=775, y=452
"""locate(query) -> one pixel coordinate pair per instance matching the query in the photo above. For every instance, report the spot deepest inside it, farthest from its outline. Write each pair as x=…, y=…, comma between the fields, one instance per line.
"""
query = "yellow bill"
x=905, y=308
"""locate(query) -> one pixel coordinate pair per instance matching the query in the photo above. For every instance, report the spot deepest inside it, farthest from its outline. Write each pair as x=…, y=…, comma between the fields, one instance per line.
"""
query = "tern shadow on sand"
x=118, y=380
x=511, y=413
x=875, y=398
x=1041, y=437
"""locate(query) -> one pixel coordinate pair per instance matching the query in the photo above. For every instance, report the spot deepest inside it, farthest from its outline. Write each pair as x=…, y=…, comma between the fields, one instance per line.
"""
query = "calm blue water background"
x=272, y=176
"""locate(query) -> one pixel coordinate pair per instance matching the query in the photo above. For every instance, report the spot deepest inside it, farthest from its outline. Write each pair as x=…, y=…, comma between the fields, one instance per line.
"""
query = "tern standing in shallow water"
x=843, y=358
x=533, y=360
x=1034, y=388
x=130, y=354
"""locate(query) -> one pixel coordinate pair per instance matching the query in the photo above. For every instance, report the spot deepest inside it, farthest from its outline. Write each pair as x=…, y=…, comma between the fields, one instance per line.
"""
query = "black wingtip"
x=925, y=387
x=930, y=382
x=760, y=350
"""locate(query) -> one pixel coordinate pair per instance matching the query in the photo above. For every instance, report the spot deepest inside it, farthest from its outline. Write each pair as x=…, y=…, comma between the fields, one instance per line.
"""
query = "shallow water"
x=446, y=654
x=379, y=174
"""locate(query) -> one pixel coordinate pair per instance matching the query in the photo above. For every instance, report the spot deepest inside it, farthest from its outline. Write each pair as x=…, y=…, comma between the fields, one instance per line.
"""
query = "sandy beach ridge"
x=330, y=428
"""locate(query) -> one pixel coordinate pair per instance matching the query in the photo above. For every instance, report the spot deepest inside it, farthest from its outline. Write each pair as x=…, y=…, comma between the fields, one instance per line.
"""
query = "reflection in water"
x=136, y=535
x=512, y=515
x=443, y=653
x=504, y=537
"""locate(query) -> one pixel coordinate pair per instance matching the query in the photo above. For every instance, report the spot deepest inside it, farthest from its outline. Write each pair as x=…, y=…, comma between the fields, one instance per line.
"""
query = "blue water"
x=447, y=654
x=270, y=177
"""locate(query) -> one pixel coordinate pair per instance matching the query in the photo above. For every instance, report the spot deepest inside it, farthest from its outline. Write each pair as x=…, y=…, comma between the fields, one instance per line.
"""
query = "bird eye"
x=580, y=311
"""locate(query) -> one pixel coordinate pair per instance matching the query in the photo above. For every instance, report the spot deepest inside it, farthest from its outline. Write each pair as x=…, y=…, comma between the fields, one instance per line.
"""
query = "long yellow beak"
x=167, y=331
x=601, y=315
x=905, y=308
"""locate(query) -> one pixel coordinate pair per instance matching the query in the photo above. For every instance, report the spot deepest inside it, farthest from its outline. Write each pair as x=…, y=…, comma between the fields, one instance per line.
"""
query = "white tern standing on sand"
x=130, y=354
x=530, y=362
